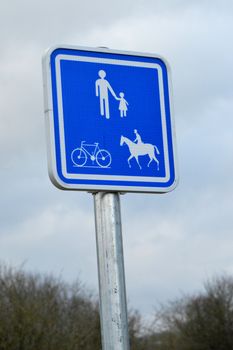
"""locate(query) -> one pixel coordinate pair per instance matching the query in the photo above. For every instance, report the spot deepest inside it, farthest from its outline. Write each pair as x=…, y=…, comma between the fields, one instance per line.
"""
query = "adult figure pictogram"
x=102, y=87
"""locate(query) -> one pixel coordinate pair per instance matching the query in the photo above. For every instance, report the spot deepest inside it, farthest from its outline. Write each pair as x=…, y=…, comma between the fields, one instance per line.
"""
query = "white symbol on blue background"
x=90, y=155
x=123, y=105
x=138, y=148
x=102, y=88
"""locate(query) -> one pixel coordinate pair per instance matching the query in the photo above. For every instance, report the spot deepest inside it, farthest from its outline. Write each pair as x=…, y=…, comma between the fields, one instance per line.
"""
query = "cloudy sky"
x=172, y=242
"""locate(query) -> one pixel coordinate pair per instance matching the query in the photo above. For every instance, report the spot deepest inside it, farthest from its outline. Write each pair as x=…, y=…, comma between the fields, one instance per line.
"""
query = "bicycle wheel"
x=78, y=157
x=103, y=158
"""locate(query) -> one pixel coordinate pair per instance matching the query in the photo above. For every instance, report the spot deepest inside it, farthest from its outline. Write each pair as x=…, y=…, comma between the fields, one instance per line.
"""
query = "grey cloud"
x=55, y=21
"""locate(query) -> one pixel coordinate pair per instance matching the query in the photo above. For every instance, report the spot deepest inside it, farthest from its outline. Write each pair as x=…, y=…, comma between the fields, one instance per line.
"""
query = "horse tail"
x=156, y=148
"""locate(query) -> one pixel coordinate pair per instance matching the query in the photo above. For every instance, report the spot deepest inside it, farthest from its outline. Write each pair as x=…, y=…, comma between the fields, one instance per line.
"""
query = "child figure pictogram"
x=122, y=105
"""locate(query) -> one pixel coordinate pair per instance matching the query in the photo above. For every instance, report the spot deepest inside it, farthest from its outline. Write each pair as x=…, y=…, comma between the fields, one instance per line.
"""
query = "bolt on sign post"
x=109, y=131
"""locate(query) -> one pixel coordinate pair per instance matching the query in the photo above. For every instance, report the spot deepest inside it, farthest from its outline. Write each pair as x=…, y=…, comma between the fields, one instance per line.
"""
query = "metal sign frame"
x=55, y=123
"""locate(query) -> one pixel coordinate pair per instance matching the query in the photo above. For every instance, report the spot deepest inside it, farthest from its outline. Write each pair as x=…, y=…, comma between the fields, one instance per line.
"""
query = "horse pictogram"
x=140, y=149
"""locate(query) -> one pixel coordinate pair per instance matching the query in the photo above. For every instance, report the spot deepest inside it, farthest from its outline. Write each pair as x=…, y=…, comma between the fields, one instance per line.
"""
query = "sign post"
x=109, y=130
x=112, y=292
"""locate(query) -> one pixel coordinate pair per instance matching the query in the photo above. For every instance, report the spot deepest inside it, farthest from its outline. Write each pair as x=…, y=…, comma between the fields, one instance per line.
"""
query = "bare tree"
x=41, y=312
x=200, y=322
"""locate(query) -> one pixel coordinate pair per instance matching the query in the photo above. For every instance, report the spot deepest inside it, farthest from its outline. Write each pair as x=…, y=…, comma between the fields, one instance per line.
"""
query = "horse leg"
x=149, y=161
x=129, y=160
x=138, y=162
x=153, y=157
x=157, y=162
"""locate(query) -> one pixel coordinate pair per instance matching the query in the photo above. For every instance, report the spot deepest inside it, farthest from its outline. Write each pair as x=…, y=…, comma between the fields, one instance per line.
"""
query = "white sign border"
x=67, y=175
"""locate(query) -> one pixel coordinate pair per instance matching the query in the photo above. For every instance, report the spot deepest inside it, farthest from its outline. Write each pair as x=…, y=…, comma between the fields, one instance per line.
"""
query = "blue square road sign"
x=109, y=120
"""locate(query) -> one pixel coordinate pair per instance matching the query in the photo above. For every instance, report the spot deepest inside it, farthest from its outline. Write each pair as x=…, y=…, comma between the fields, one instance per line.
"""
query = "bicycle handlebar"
x=90, y=144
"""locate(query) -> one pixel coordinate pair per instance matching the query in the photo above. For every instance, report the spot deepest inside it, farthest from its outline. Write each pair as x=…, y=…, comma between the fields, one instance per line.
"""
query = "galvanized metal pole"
x=113, y=308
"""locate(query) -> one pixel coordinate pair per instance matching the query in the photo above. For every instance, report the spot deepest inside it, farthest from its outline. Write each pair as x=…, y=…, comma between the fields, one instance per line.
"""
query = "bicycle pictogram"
x=91, y=155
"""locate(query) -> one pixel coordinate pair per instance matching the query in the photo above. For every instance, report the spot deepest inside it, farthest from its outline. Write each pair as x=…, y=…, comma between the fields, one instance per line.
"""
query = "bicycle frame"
x=96, y=149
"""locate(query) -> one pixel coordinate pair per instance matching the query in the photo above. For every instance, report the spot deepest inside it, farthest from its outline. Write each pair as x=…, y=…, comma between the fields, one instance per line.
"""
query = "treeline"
x=43, y=313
